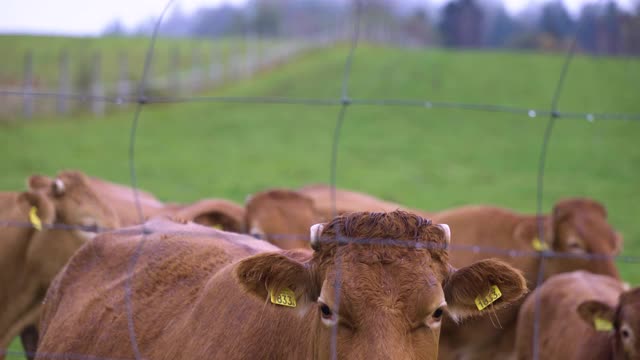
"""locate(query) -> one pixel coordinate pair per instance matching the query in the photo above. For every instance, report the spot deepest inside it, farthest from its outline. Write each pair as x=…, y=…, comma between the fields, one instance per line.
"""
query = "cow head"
x=75, y=202
x=623, y=321
x=579, y=227
x=378, y=285
x=282, y=217
x=579, y=233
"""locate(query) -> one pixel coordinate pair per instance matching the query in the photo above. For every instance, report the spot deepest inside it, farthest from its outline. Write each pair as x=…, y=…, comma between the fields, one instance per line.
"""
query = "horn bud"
x=58, y=187
x=447, y=232
x=315, y=232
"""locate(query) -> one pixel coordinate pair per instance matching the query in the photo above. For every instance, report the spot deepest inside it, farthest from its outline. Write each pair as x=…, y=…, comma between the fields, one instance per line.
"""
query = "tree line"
x=600, y=28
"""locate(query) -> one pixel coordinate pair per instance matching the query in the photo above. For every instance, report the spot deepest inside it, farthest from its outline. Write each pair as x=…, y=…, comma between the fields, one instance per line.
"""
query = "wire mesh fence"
x=344, y=102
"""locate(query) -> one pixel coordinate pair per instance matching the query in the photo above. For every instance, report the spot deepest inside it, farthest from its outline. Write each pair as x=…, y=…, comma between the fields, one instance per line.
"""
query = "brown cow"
x=581, y=316
x=200, y=294
x=121, y=198
x=576, y=227
x=351, y=201
x=282, y=217
x=346, y=201
x=30, y=258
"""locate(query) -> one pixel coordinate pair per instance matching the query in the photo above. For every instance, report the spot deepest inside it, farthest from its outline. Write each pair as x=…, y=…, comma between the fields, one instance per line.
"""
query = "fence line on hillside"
x=87, y=83
x=343, y=101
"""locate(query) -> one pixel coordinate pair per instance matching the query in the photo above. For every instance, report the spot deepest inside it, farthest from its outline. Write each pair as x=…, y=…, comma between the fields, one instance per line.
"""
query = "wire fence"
x=344, y=101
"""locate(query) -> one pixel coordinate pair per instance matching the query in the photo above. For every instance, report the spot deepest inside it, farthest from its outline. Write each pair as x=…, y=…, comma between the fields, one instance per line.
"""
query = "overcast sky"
x=89, y=17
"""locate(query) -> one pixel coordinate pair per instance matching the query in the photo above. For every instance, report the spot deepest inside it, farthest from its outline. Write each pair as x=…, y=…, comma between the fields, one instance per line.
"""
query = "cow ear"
x=525, y=231
x=39, y=182
x=216, y=213
x=483, y=286
x=220, y=220
x=45, y=209
x=597, y=314
x=271, y=273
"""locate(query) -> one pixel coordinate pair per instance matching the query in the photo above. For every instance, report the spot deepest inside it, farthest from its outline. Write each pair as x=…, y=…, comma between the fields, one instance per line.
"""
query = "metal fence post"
x=27, y=98
x=124, y=83
x=196, y=69
x=97, y=89
x=174, y=70
x=64, y=83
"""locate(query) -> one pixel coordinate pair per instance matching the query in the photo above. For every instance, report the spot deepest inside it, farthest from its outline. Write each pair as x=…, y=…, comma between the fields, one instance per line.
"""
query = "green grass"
x=425, y=158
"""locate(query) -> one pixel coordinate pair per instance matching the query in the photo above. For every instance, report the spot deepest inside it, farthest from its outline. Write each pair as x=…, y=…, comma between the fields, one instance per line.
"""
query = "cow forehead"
x=384, y=283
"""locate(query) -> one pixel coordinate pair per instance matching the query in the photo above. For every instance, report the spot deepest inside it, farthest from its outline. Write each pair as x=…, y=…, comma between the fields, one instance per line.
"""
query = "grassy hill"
x=426, y=158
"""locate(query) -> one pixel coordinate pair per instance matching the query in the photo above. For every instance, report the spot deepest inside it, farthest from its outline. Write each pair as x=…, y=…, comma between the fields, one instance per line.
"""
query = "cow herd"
x=86, y=271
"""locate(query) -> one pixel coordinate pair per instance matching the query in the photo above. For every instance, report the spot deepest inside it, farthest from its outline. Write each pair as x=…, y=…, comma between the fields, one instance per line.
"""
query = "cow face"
x=580, y=227
x=282, y=217
x=378, y=285
x=75, y=202
x=624, y=321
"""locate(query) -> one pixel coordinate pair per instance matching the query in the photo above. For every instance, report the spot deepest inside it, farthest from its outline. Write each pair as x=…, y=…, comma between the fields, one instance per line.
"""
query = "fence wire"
x=344, y=101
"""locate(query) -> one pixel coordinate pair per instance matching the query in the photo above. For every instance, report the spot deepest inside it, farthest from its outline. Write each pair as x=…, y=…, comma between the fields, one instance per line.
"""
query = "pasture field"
x=425, y=158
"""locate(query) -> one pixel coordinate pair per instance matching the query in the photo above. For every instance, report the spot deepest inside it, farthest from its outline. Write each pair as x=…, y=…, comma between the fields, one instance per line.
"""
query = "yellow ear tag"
x=539, y=245
x=602, y=324
x=285, y=297
x=34, y=219
x=486, y=300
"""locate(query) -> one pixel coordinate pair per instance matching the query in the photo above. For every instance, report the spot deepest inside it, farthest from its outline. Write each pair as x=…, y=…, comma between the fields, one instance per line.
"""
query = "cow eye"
x=625, y=333
x=326, y=311
x=433, y=321
x=575, y=247
x=327, y=315
x=438, y=313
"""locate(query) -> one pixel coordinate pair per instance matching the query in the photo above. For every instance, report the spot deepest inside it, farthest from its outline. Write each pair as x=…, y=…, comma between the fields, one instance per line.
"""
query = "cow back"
x=163, y=271
x=562, y=333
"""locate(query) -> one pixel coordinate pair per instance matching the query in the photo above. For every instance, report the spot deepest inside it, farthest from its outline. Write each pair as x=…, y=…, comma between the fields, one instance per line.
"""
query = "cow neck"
x=603, y=346
x=547, y=230
x=526, y=239
x=15, y=240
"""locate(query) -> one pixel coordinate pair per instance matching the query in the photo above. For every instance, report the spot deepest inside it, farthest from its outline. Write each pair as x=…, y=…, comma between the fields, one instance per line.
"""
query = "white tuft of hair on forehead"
x=58, y=186
x=447, y=232
x=315, y=232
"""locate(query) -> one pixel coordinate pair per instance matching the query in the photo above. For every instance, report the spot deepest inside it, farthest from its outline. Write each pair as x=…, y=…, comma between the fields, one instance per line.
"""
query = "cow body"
x=346, y=201
x=123, y=201
x=282, y=216
x=569, y=306
x=203, y=293
x=577, y=226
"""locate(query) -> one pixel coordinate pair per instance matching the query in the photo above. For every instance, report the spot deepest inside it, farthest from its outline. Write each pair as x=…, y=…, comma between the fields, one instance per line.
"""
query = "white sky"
x=89, y=17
